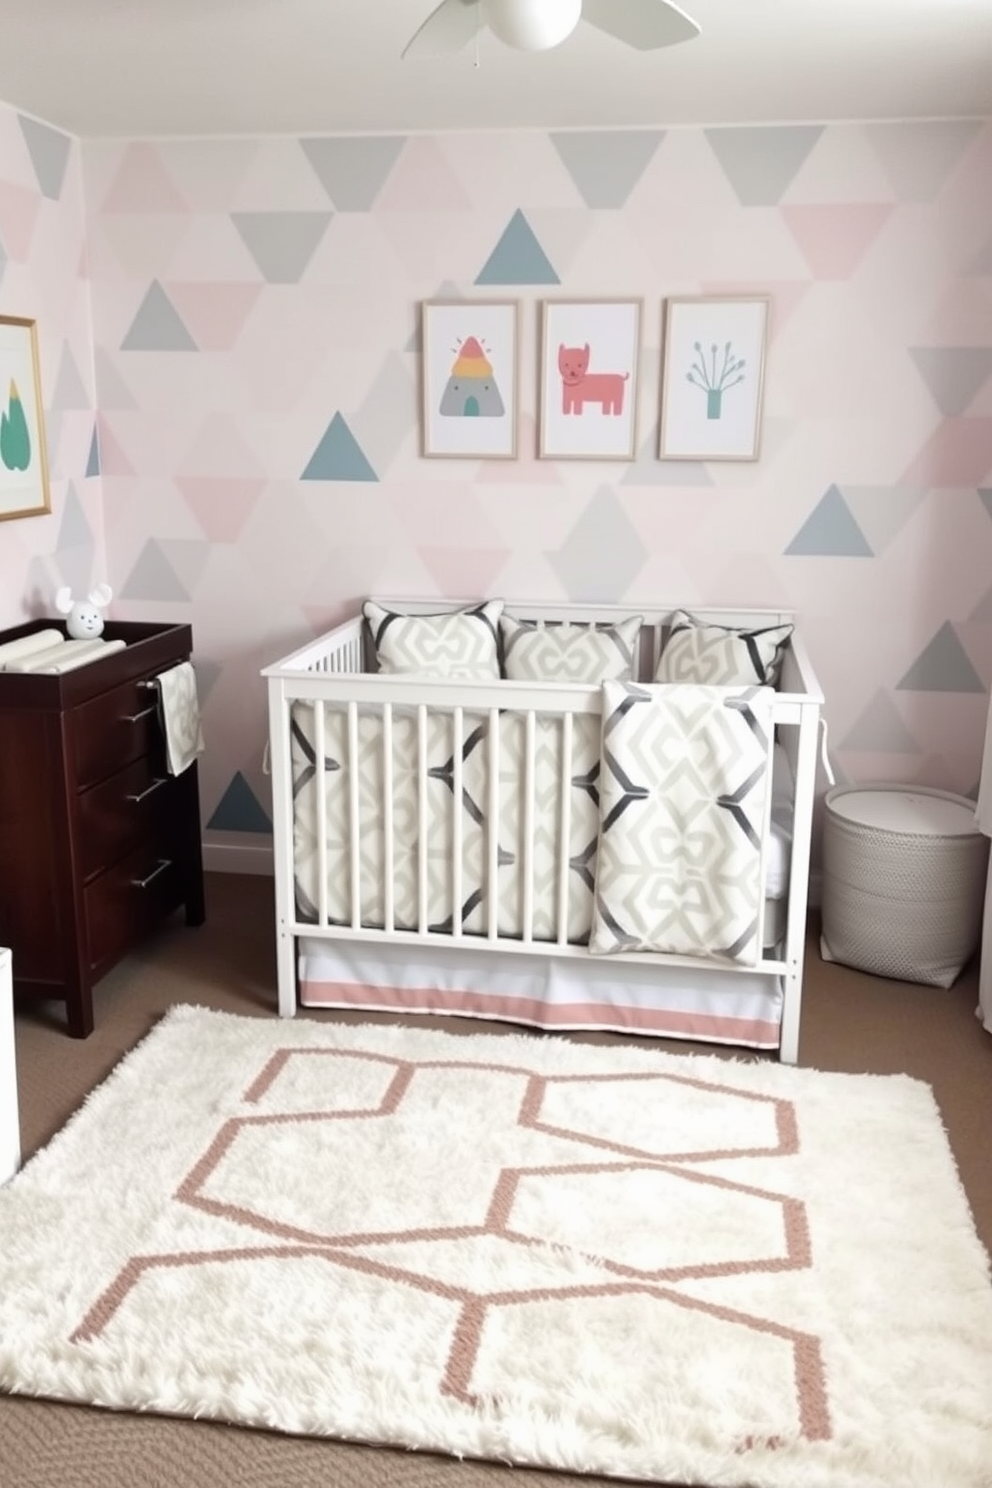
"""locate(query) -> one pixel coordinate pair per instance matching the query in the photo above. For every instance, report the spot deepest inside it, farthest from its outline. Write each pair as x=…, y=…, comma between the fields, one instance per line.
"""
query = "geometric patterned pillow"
x=721, y=656
x=568, y=653
x=459, y=644
x=685, y=774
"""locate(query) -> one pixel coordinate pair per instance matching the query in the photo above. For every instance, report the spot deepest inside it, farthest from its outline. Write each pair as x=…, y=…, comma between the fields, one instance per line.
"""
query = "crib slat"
x=354, y=826
x=388, y=828
x=528, y=843
x=492, y=828
x=321, y=787
x=458, y=822
x=565, y=828
x=422, y=824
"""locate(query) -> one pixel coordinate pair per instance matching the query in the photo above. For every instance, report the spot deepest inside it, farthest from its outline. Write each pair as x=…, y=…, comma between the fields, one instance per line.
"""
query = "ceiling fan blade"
x=447, y=29
x=644, y=24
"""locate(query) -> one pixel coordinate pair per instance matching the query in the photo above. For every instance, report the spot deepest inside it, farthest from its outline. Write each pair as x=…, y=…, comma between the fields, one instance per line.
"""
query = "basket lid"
x=917, y=811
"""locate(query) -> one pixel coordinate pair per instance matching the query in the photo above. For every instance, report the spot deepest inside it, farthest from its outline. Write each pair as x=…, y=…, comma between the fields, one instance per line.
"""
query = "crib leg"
x=788, y=1049
x=286, y=973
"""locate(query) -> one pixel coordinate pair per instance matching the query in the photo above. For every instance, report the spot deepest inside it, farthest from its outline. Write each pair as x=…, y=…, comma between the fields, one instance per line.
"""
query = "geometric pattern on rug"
x=204, y=1188
x=606, y=1259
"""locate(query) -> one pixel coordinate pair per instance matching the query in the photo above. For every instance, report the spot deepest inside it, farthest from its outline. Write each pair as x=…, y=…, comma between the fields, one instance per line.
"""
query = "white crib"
x=522, y=966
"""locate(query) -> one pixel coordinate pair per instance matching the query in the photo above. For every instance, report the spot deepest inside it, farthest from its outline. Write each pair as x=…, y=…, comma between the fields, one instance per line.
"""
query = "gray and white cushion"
x=720, y=655
x=685, y=777
x=538, y=652
x=457, y=644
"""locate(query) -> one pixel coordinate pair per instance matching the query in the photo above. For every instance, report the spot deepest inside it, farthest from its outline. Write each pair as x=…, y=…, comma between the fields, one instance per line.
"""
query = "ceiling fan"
x=537, y=25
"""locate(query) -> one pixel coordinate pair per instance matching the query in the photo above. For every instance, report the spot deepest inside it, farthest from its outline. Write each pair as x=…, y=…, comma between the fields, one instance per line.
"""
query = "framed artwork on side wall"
x=590, y=351
x=470, y=376
x=712, y=379
x=24, y=488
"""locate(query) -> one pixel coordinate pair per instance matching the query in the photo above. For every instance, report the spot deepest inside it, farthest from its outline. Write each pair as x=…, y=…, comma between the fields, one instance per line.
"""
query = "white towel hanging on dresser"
x=180, y=711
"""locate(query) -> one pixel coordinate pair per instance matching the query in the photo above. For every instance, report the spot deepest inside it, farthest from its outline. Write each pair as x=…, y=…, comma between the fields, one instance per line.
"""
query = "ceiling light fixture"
x=532, y=25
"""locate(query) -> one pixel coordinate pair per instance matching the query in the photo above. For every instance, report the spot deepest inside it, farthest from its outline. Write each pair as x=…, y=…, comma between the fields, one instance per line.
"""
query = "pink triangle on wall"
x=835, y=239
x=526, y=469
x=958, y=453
x=19, y=209
x=220, y=506
x=214, y=314
x=460, y=572
x=142, y=184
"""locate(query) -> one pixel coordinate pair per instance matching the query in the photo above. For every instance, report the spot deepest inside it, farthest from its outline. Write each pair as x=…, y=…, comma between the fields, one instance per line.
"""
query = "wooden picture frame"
x=24, y=488
x=713, y=377
x=470, y=378
x=589, y=379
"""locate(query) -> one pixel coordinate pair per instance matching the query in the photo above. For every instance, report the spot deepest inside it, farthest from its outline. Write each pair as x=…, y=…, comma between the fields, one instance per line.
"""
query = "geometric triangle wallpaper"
x=230, y=367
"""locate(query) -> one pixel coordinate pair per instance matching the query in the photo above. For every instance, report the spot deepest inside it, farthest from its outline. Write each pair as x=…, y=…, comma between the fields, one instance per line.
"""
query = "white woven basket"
x=902, y=897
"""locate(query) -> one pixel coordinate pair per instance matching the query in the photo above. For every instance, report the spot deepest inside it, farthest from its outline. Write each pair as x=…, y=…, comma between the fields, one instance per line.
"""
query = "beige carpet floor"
x=851, y=1023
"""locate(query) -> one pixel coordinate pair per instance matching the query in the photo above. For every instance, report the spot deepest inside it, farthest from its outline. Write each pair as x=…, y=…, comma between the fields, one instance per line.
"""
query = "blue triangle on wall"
x=830, y=531
x=338, y=456
x=93, y=463
x=238, y=810
x=518, y=257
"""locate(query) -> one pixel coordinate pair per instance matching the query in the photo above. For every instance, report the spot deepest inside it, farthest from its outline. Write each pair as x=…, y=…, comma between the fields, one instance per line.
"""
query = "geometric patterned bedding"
x=440, y=810
x=685, y=797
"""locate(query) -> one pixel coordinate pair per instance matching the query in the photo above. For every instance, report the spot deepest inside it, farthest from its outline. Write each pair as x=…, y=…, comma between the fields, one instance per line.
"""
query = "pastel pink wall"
x=44, y=277
x=255, y=308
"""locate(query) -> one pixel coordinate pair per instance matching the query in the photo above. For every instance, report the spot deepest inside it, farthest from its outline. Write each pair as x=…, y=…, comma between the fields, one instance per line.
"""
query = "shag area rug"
x=609, y=1260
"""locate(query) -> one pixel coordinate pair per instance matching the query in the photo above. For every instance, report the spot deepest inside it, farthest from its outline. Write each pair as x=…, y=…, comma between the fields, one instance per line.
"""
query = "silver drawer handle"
x=141, y=796
x=142, y=883
x=136, y=717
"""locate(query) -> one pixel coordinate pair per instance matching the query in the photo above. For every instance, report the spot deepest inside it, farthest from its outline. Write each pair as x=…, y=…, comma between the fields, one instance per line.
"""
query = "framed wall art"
x=24, y=488
x=470, y=378
x=711, y=382
x=590, y=352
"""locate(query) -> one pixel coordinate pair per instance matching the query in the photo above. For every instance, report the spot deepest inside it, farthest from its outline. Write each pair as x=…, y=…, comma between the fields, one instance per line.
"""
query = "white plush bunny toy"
x=84, y=619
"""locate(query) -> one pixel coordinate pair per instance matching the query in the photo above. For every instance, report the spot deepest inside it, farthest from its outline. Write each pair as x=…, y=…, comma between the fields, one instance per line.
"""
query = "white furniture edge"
x=10, y=1130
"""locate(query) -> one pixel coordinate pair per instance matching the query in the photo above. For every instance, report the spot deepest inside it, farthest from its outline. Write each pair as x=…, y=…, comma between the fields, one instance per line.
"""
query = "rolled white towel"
x=38, y=640
x=60, y=658
x=83, y=657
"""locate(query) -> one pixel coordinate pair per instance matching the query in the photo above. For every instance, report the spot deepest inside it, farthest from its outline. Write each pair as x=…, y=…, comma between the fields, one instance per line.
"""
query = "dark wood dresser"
x=98, y=842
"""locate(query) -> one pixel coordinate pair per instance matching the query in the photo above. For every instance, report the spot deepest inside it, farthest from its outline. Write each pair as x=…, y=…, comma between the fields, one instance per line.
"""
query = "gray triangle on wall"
x=918, y=155
x=953, y=374
x=70, y=390
x=880, y=729
x=942, y=666
x=985, y=497
x=93, y=462
x=282, y=243
x=157, y=325
x=49, y=151
x=606, y=164
x=761, y=161
x=353, y=170
x=74, y=529
x=830, y=531
x=153, y=578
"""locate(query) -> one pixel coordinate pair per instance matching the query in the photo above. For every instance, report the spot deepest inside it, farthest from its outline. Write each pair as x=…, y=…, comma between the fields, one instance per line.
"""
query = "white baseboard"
x=223, y=857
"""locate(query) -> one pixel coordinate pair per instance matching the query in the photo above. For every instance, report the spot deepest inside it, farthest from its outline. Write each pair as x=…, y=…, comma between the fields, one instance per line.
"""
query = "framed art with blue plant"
x=713, y=377
x=24, y=490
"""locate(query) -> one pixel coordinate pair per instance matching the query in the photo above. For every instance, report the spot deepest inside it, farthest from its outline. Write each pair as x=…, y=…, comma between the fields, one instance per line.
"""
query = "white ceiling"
x=195, y=67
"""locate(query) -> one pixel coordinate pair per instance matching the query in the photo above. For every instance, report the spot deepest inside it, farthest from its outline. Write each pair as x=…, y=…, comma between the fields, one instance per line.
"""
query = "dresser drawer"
x=133, y=806
x=129, y=900
x=115, y=728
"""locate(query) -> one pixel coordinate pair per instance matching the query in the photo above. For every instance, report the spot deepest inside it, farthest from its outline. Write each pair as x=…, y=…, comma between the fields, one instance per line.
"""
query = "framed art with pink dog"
x=590, y=352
